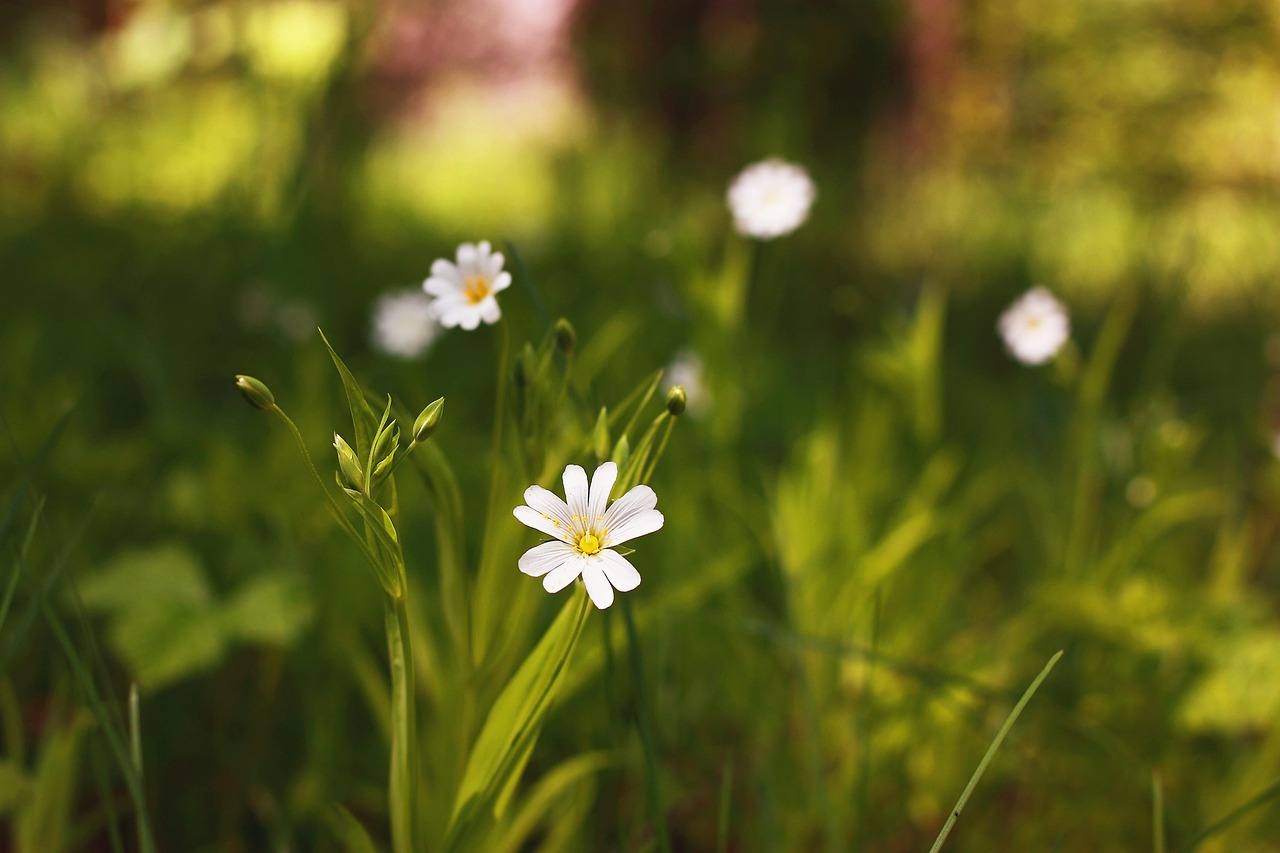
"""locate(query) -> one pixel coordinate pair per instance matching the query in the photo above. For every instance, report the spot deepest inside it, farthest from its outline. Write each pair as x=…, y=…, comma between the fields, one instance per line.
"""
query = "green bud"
x=387, y=441
x=255, y=392
x=427, y=422
x=677, y=400
x=348, y=464
x=622, y=452
x=600, y=435
x=566, y=337
x=384, y=467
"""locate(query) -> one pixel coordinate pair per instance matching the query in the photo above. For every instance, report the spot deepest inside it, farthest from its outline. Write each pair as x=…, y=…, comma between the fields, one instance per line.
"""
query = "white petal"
x=446, y=270
x=466, y=259
x=547, y=502
x=576, y=490
x=619, y=571
x=501, y=281
x=601, y=484
x=468, y=318
x=632, y=515
x=489, y=311
x=494, y=267
x=451, y=314
x=563, y=575
x=483, y=249
x=441, y=286
x=540, y=559
x=530, y=517
x=598, y=586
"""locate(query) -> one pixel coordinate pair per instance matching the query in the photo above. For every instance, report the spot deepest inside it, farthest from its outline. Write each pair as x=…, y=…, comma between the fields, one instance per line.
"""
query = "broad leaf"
x=516, y=717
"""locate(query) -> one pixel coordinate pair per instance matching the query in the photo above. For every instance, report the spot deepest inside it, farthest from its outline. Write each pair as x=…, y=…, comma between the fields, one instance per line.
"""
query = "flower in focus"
x=585, y=532
x=770, y=198
x=686, y=371
x=1035, y=327
x=403, y=323
x=465, y=292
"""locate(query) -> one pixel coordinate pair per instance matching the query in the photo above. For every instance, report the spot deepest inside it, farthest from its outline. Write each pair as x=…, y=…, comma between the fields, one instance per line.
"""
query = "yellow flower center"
x=588, y=544
x=476, y=289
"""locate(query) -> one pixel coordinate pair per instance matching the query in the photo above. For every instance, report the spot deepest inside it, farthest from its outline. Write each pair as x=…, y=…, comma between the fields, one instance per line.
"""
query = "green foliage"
x=165, y=623
x=877, y=524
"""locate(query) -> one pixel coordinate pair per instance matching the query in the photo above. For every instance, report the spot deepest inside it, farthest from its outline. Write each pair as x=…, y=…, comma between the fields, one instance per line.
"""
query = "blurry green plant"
x=484, y=658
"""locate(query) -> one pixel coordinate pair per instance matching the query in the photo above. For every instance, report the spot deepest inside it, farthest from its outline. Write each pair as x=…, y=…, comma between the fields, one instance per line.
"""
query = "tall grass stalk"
x=644, y=722
x=991, y=751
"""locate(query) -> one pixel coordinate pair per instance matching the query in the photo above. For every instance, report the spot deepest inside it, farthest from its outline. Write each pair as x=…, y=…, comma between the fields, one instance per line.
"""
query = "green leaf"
x=390, y=565
x=14, y=786
x=363, y=417
x=560, y=782
x=164, y=574
x=516, y=717
x=354, y=837
x=44, y=822
x=271, y=609
x=163, y=643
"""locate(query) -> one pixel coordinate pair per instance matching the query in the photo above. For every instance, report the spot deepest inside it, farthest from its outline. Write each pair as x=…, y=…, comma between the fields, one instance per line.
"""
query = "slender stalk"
x=1266, y=795
x=1157, y=813
x=645, y=724
x=135, y=747
x=726, y=798
x=991, y=751
x=333, y=504
x=863, y=726
x=402, y=791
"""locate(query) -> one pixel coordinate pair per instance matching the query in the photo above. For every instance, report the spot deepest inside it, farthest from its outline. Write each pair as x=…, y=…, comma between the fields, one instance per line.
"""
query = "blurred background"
x=879, y=524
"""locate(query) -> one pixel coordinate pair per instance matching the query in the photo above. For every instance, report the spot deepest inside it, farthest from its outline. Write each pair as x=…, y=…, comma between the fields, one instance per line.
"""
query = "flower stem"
x=402, y=790
x=644, y=722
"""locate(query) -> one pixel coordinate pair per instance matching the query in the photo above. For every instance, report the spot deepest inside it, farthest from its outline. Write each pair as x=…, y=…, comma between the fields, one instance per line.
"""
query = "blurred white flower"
x=585, y=532
x=465, y=292
x=404, y=324
x=297, y=320
x=1035, y=327
x=770, y=198
x=686, y=371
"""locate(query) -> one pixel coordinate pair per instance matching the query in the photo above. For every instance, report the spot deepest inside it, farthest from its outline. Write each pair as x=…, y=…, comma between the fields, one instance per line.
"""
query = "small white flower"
x=465, y=292
x=404, y=324
x=770, y=198
x=1035, y=327
x=686, y=371
x=585, y=532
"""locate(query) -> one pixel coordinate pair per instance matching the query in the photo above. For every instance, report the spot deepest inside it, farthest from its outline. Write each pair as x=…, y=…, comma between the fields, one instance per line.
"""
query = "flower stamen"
x=588, y=544
x=475, y=289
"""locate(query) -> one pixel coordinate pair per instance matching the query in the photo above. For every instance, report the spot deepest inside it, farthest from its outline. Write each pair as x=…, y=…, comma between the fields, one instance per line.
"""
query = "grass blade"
x=991, y=751
x=1263, y=797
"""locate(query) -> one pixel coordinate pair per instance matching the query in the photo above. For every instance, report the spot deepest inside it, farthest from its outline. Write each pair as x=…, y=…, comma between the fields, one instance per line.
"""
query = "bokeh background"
x=879, y=524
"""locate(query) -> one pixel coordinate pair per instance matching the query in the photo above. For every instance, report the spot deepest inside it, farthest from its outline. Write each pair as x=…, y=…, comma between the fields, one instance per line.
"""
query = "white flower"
x=585, y=532
x=465, y=292
x=770, y=198
x=686, y=371
x=1035, y=327
x=404, y=324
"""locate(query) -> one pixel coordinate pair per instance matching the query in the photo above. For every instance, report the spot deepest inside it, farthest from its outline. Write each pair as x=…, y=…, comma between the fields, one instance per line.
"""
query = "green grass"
x=878, y=525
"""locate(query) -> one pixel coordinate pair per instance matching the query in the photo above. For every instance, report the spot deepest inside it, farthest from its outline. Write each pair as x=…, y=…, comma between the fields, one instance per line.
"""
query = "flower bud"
x=600, y=435
x=428, y=421
x=677, y=400
x=383, y=468
x=255, y=392
x=386, y=443
x=348, y=464
x=566, y=337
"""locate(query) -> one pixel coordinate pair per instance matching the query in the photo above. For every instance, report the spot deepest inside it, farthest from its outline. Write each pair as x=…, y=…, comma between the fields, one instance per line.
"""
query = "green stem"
x=991, y=751
x=402, y=790
x=644, y=720
x=333, y=504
